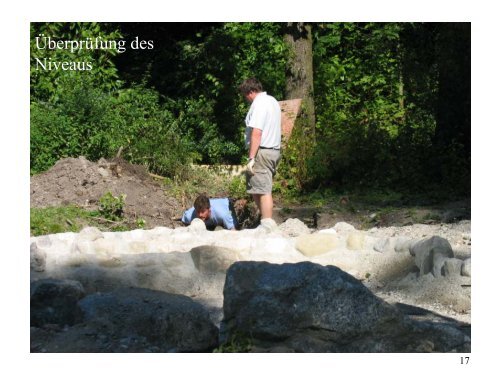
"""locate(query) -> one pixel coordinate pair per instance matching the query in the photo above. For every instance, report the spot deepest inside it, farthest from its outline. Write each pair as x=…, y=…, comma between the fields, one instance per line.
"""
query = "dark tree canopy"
x=385, y=104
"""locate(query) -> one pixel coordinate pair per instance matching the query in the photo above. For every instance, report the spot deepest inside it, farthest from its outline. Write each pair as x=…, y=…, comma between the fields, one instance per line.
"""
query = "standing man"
x=263, y=141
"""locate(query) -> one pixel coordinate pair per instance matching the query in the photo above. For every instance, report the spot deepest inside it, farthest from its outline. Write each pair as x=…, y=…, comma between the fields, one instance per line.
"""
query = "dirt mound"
x=81, y=182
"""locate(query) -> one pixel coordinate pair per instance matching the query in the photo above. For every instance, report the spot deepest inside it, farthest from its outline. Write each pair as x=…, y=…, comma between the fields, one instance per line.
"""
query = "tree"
x=299, y=83
x=100, y=70
x=453, y=116
x=299, y=70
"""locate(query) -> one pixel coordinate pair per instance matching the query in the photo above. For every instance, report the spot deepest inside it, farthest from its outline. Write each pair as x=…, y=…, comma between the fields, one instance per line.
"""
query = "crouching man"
x=214, y=212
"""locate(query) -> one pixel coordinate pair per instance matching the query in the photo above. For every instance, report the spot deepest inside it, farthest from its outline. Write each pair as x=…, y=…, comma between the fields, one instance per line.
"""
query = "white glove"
x=250, y=164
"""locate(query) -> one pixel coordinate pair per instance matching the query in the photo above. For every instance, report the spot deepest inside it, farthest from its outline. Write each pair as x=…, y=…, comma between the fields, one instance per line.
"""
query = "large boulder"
x=430, y=255
x=306, y=307
x=55, y=302
x=168, y=322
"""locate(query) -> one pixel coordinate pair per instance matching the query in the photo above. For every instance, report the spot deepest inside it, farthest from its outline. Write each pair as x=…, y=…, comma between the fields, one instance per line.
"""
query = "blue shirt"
x=220, y=214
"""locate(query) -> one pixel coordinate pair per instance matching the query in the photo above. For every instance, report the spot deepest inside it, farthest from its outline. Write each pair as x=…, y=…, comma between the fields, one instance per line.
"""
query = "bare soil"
x=77, y=181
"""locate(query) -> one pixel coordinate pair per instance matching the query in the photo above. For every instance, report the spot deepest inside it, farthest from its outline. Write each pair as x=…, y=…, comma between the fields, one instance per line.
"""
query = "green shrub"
x=111, y=207
x=79, y=122
x=150, y=133
x=48, y=143
x=238, y=187
x=140, y=223
x=90, y=122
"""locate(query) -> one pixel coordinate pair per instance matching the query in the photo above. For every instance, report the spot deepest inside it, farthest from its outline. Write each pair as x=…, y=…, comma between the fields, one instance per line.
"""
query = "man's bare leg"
x=266, y=206
x=256, y=199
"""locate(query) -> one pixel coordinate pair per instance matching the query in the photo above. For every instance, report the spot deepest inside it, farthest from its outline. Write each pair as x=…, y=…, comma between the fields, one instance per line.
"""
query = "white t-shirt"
x=264, y=114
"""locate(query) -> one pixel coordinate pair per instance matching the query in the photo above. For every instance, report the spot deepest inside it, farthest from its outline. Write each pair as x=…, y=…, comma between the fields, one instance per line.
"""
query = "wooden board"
x=289, y=111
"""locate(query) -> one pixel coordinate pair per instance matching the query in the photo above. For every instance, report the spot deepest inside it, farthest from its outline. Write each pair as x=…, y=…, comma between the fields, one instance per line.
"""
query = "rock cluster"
x=311, y=280
x=125, y=320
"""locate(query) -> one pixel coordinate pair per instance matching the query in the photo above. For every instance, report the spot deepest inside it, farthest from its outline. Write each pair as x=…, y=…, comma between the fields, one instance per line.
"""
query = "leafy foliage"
x=88, y=121
x=377, y=109
x=392, y=102
x=237, y=187
x=199, y=71
x=111, y=207
x=149, y=132
x=45, y=84
x=359, y=115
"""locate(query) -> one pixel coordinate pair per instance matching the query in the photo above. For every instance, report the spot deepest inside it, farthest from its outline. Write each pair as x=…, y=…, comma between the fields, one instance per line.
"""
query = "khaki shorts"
x=266, y=162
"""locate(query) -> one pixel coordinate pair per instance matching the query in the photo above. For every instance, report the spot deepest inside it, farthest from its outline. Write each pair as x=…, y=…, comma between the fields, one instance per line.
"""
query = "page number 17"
x=464, y=360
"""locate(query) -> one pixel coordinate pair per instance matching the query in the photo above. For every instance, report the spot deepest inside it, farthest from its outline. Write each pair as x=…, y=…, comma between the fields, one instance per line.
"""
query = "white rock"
x=294, y=227
x=403, y=244
x=317, y=244
x=104, y=246
x=103, y=172
x=327, y=231
x=83, y=247
x=38, y=258
x=385, y=245
x=197, y=225
x=89, y=234
x=138, y=234
x=65, y=236
x=343, y=227
x=138, y=246
x=355, y=240
x=273, y=249
x=161, y=231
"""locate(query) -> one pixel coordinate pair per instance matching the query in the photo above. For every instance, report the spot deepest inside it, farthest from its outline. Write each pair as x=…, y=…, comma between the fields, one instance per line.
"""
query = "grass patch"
x=238, y=344
x=58, y=219
x=72, y=218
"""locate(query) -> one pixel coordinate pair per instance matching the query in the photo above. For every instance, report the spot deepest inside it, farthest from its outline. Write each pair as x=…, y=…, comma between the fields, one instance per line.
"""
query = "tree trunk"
x=401, y=87
x=299, y=84
x=299, y=72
